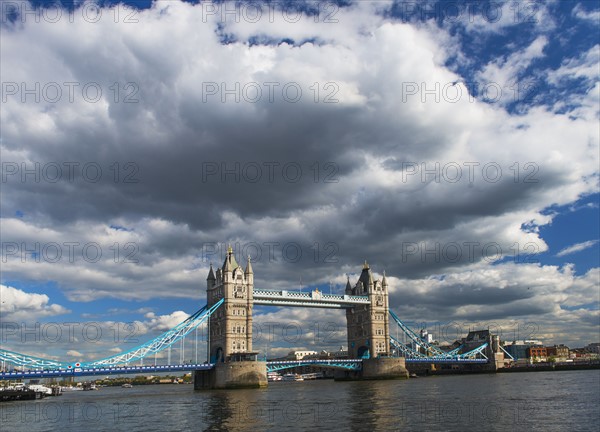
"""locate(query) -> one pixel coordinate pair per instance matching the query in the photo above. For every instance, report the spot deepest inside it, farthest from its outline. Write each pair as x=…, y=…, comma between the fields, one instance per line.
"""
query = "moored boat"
x=292, y=377
x=274, y=376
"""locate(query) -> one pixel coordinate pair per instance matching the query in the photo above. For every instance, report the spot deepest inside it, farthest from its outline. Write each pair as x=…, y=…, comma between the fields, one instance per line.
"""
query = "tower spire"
x=230, y=263
x=249, y=267
x=211, y=274
x=348, y=286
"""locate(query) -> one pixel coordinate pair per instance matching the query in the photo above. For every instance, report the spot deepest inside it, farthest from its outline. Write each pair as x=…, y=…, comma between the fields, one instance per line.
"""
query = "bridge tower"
x=230, y=330
x=369, y=332
x=368, y=325
x=231, y=324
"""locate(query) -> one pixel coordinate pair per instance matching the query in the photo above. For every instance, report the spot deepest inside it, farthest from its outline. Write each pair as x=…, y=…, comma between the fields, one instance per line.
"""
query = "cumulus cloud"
x=19, y=305
x=507, y=73
x=165, y=322
x=533, y=298
x=161, y=174
x=581, y=12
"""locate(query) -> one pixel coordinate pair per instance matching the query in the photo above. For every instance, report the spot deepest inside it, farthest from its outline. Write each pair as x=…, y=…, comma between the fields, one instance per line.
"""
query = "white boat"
x=274, y=376
x=292, y=377
x=126, y=385
x=40, y=389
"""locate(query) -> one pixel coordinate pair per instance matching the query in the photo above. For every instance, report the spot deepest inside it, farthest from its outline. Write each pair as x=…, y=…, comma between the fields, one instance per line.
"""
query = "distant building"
x=475, y=339
x=299, y=355
x=493, y=351
x=593, y=348
x=559, y=352
x=536, y=353
x=339, y=354
x=584, y=354
x=426, y=336
x=518, y=349
x=478, y=336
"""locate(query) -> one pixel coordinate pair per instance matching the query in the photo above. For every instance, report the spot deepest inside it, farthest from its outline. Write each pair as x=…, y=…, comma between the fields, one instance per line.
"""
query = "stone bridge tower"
x=368, y=325
x=230, y=326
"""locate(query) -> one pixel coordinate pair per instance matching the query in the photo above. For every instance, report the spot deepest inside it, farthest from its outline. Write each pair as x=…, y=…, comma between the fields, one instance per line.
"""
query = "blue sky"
x=158, y=171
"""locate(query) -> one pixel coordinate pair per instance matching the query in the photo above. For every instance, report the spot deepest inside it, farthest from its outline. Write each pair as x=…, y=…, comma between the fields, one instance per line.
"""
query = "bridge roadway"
x=314, y=298
x=114, y=370
x=350, y=364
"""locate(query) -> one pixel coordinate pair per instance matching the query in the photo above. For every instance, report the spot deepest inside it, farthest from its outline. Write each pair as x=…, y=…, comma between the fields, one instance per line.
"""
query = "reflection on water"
x=544, y=401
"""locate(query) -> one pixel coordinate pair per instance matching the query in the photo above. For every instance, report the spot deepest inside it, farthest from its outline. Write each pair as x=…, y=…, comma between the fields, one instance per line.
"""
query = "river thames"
x=542, y=401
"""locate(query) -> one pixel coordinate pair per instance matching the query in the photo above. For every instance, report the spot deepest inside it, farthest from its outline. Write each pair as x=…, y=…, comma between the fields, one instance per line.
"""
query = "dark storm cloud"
x=163, y=158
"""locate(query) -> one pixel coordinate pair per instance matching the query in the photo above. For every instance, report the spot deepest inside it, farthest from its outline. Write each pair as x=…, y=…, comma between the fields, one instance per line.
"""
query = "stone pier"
x=380, y=368
x=232, y=375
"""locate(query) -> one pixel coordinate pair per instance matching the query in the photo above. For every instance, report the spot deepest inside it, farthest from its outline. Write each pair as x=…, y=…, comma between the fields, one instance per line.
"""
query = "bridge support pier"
x=232, y=375
x=380, y=368
x=422, y=368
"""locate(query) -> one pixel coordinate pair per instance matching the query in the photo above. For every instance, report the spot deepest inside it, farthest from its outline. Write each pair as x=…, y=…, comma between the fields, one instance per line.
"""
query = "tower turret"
x=229, y=265
x=210, y=279
x=249, y=273
x=366, y=279
x=248, y=267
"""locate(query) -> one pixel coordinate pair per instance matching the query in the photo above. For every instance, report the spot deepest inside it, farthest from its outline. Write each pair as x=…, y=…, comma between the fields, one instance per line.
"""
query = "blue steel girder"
x=437, y=356
x=407, y=351
x=353, y=364
x=27, y=361
x=159, y=343
x=449, y=360
x=455, y=350
x=507, y=353
x=449, y=357
x=118, y=370
x=153, y=346
x=415, y=338
x=474, y=352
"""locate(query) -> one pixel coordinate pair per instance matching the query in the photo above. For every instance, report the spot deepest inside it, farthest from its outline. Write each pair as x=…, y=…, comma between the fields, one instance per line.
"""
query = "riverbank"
x=549, y=368
x=513, y=369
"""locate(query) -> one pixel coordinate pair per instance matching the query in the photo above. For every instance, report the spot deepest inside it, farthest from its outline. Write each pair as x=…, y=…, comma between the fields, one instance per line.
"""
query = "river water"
x=541, y=401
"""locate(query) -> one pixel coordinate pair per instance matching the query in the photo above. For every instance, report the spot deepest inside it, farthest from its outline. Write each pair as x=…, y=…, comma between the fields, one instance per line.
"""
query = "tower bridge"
x=365, y=303
x=230, y=327
x=232, y=362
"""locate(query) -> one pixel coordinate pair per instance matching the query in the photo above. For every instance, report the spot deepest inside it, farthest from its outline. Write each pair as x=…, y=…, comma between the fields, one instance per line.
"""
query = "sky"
x=452, y=144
